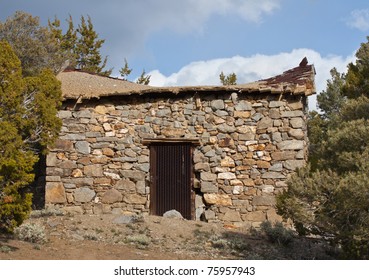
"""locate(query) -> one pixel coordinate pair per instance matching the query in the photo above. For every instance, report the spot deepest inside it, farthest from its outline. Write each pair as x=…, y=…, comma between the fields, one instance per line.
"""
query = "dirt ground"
x=114, y=237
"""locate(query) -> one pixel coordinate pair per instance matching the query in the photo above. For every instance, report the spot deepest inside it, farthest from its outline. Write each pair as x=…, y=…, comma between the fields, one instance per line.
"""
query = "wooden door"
x=171, y=178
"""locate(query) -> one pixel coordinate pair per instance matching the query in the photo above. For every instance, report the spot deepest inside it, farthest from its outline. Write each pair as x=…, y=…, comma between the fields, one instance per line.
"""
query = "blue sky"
x=189, y=42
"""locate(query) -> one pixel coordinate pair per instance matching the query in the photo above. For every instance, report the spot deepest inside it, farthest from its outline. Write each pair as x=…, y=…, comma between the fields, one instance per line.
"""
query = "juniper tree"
x=330, y=196
x=28, y=124
x=33, y=44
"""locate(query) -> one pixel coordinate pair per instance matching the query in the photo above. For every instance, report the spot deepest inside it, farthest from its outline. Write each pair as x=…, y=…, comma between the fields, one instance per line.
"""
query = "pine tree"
x=125, y=71
x=88, y=49
x=230, y=79
x=143, y=79
x=330, y=196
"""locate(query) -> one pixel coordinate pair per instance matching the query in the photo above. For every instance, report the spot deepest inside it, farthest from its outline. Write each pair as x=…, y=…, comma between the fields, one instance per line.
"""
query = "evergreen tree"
x=125, y=71
x=330, y=196
x=28, y=124
x=16, y=162
x=88, y=49
x=143, y=79
x=34, y=45
x=230, y=79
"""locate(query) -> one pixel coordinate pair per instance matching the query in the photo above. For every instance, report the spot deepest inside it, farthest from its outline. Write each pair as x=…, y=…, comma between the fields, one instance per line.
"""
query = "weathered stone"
x=209, y=215
x=111, y=175
x=295, y=105
x=297, y=122
x=226, y=176
x=279, y=156
x=201, y=166
x=277, y=167
x=217, y=199
x=134, y=175
x=273, y=175
x=141, y=187
x=274, y=104
x=93, y=170
x=292, y=114
x=173, y=132
x=257, y=216
x=242, y=114
x=84, y=194
x=266, y=200
x=82, y=114
x=73, y=137
x=125, y=184
x=111, y=196
x=243, y=106
x=101, y=109
x=267, y=188
x=294, y=164
x=62, y=145
x=55, y=193
x=62, y=114
x=83, y=147
x=51, y=159
x=217, y=104
x=134, y=199
x=145, y=167
x=68, y=164
x=227, y=162
x=291, y=145
x=172, y=214
x=238, y=189
x=199, y=201
x=296, y=133
x=77, y=173
x=273, y=217
x=102, y=181
x=209, y=187
x=265, y=123
x=232, y=216
x=208, y=176
x=224, y=128
x=108, y=152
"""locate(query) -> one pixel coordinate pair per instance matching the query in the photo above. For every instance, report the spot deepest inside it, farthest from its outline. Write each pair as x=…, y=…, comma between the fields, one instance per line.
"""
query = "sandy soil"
x=112, y=237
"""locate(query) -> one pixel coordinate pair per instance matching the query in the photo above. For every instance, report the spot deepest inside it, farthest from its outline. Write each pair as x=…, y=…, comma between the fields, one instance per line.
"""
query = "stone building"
x=214, y=153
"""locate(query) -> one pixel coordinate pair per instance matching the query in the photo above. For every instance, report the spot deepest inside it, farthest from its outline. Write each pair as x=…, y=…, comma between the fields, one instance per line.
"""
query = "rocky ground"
x=111, y=237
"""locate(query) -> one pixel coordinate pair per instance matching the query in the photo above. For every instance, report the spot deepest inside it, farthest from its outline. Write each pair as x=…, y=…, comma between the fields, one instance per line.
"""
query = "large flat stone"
x=111, y=196
x=217, y=199
x=84, y=195
x=55, y=193
x=291, y=145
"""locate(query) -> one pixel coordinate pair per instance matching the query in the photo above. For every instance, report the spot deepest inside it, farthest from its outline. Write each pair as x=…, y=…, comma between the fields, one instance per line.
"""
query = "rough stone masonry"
x=248, y=146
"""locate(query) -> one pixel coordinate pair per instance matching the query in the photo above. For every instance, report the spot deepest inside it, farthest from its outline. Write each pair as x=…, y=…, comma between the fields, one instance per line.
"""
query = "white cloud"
x=359, y=19
x=249, y=69
x=129, y=24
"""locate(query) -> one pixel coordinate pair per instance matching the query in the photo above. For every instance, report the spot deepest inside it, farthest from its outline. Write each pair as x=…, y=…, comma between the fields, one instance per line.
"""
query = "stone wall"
x=249, y=146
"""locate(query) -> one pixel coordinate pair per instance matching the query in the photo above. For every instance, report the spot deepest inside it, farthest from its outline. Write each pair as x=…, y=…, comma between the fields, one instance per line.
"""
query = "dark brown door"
x=171, y=178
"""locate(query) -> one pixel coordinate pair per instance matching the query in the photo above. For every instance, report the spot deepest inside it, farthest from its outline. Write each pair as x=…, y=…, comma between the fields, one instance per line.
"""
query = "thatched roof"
x=81, y=85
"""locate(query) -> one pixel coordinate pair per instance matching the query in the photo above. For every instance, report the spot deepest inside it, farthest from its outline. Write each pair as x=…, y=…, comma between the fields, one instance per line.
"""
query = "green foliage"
x=330, y=197
x=277, y=233
x=33, y=233
x=33, y=44
x=28, y=123
x=228, y=80
x=88, y=47
x=143, y=79
x=125, y=71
